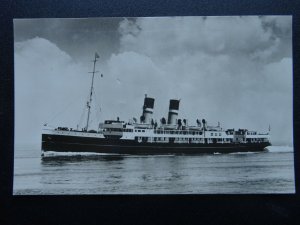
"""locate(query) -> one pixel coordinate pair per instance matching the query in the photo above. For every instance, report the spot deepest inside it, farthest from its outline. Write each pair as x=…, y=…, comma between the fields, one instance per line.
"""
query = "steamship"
x=147, y=136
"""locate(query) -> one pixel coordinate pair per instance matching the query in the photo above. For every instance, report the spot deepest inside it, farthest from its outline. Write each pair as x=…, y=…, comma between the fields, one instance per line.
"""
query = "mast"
x=91, y=92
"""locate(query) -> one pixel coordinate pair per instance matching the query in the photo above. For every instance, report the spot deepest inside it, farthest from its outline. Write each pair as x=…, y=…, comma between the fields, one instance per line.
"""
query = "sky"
x=236, y=70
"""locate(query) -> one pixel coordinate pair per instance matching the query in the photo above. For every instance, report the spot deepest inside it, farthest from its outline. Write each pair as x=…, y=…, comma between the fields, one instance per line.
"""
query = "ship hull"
x=62, y=143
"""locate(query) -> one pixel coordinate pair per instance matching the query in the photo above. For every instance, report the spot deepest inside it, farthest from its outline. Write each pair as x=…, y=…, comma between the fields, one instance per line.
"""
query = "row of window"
x=128, y=130
x=113, y=129
x=119, y=130
x=177, y=132
x=257, y=139
x=187, y=139
x=216, y=134
x=123, y=130
x=139, y=131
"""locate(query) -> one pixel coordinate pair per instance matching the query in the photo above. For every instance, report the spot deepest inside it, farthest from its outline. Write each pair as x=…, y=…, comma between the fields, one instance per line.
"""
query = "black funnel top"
x=174, y=104
x=149, y=103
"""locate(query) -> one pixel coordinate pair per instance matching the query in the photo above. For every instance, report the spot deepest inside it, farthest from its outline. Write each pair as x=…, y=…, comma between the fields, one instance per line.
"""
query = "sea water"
x=271, y=171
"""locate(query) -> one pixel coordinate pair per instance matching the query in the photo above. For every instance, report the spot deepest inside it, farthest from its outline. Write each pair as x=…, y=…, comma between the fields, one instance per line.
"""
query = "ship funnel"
x=173, y=111
x=147, y=110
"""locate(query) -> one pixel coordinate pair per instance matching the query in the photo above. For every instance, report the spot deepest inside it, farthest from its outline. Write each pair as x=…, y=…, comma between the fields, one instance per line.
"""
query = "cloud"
x=166, y=37
x=130, y=76
x=236, y=70
x=280, y=25
x=222, y=68
x=77, y=37
x=46, y=79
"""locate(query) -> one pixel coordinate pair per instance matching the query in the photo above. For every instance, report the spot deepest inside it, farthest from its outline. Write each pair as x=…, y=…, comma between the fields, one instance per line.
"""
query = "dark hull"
x=61, y=143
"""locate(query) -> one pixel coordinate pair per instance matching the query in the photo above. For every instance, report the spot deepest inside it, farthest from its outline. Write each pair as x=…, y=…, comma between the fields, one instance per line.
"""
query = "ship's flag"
x=96, y=55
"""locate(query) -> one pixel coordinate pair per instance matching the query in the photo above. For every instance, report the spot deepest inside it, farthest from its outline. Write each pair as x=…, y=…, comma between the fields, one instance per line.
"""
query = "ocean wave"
x=151, y=156
x=243, y=153
x=52, y=153
x=87, y=154
x=280, y=149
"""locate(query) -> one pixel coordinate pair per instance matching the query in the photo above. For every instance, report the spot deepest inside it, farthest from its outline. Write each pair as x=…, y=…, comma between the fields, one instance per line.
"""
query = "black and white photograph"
x=153, y=105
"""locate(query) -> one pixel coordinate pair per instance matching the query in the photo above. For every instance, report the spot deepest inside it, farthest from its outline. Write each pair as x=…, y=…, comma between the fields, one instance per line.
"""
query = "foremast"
x=91, y=92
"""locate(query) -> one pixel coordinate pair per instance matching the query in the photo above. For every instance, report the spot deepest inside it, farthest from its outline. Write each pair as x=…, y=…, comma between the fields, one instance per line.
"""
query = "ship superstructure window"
x=128, y=130
x=114, y=129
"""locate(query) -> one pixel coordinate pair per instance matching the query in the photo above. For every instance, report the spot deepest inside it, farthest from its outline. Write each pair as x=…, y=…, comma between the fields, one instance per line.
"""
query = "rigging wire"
x=61, y=112
x=83, y=113
x=97, y=107
x=93, y=106
x=96, y=112
x=85, y=108
x=81, y=117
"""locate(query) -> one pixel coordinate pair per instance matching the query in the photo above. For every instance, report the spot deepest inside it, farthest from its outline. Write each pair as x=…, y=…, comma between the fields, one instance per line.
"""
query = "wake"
x=280, y=149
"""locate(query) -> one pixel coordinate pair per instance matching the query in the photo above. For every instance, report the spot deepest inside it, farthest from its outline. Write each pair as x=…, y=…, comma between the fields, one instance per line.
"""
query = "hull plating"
x=61, y=143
